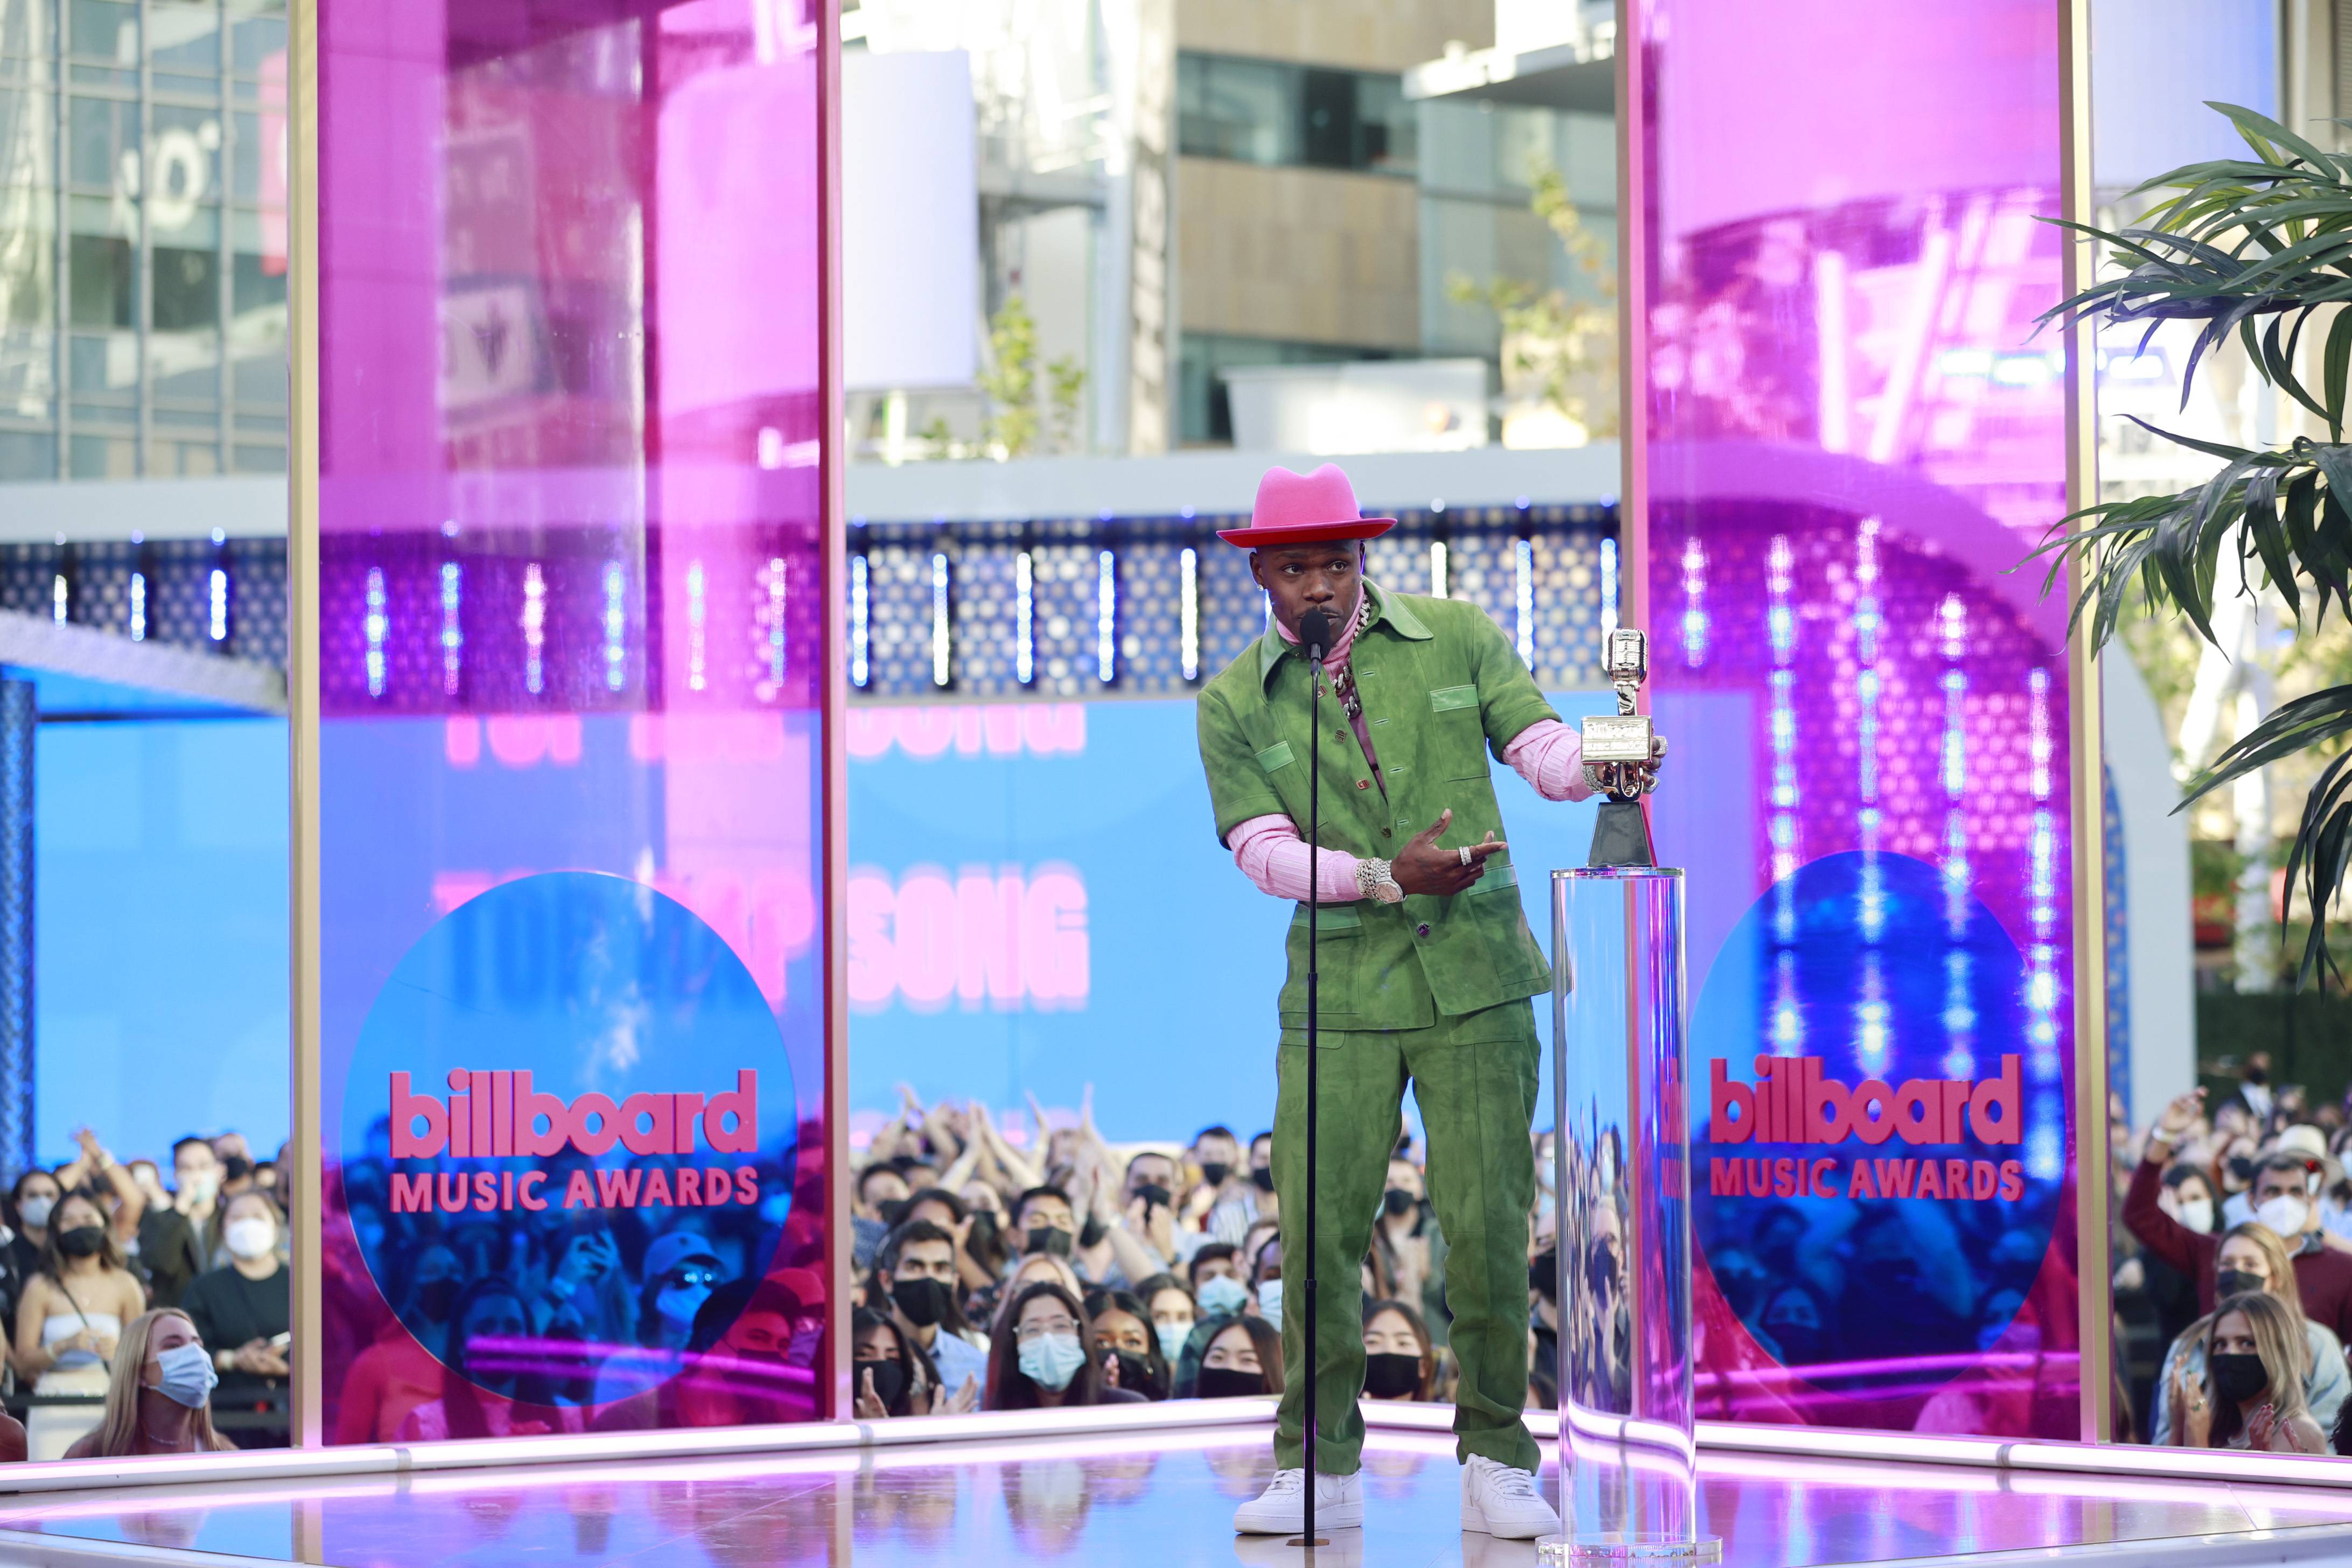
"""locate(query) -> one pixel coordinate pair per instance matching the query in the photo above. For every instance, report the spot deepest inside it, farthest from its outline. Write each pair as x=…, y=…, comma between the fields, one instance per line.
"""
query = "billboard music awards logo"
x=498, y=1114
x=569, y=1075
x=1879, y=1131
x=1791, y=1102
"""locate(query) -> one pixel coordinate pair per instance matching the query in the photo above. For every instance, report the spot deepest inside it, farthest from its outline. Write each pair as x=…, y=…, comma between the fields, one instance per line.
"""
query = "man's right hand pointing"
x=1422, y=867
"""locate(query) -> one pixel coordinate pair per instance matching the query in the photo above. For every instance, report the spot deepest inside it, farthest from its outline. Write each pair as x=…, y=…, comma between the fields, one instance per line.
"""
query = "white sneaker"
x=1501, y=1501
x=1281, y=1508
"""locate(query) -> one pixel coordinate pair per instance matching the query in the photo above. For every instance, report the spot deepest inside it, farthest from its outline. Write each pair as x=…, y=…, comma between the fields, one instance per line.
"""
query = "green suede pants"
x=1475, y=1080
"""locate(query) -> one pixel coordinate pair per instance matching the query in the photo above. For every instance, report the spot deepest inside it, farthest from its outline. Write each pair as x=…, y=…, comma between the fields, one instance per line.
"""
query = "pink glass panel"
x=573, y=732
x=1853, y=434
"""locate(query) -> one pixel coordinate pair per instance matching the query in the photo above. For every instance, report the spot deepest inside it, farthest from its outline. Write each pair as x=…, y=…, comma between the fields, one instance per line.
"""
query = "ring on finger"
x=1465, y=854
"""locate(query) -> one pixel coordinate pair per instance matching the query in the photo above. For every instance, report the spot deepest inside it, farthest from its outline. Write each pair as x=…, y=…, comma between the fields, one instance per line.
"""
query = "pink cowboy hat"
x=1305, y=509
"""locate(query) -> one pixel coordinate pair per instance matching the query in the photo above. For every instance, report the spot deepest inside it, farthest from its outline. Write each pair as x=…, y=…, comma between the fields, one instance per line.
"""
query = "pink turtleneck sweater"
x=1272, y=854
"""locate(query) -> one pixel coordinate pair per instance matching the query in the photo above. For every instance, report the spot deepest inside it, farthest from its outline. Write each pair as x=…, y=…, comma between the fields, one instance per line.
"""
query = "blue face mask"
x=680, y=1303
x=1269, y=1300
x=1223, y=1293
x=186, y=1375
x=1171, y=1339
x=1050, y=1361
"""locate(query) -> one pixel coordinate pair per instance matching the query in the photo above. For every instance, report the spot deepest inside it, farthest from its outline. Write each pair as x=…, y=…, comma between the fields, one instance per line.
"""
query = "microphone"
x=1315, y=634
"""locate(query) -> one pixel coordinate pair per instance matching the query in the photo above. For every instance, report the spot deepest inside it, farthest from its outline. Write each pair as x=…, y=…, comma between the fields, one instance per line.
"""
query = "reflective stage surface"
x=1111, y=1500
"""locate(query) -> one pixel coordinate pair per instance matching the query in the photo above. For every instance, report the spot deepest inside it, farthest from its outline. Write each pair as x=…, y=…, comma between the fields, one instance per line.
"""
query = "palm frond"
x=2259, y=247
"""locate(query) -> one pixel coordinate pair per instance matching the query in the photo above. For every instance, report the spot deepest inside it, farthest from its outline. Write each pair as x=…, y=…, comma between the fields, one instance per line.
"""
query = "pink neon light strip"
x=1111, y=1429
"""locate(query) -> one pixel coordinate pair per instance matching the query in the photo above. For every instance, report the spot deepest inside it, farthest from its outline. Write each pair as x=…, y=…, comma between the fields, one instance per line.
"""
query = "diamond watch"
x=1374, y=881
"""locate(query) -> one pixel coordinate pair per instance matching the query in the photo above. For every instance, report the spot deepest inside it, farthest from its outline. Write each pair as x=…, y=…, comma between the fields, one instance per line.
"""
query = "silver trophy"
x=1622, y=752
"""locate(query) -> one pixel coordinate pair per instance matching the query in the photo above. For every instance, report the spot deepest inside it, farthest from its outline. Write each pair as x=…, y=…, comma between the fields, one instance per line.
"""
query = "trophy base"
x=1616, y=1547
x=1621, y=836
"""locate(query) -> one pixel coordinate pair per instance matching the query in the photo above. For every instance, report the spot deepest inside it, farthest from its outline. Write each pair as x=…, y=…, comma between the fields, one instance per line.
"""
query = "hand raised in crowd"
x=963, y=1401
x=869, y=1405
x=586, y=1259
x=1154, y=1224
x=2179, y=1114
x=1422, y=867
x=2196, y=1410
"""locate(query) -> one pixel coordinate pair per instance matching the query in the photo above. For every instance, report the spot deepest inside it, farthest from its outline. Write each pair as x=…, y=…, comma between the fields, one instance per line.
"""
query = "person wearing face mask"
x=245, y=1312
x=739, y=1367
x=2251, y=1397
x=1265, y=1281
x=2170, y=1295
x=888, y=1375
x=30, y=1202
x=1231, y=1358
x=1044, y=1221
x=402, y=1370
x=882, y=1193
x=1173, y=1312
x=953, y=1215
x=2284, y=1202
x=1400, y=1363
x=195, y=1187
x=1217, y=1283
x=1119, y=1329
x=1216, y=1155
x=1411, y=1252
x=75, y=1305
x=2251, y=1260
x=159, y=1400
x=915, y=1285
x=1039, y=1361
x=483, y=1394
x=681, y=1270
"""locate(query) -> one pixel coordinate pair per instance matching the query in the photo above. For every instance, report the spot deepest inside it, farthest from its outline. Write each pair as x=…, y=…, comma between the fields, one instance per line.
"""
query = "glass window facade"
x=1204, y=415
x=143, y=238
x=1277, y=113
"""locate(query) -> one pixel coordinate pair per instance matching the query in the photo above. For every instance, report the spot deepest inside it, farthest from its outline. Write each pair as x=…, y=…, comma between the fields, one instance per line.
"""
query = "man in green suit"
x=1426, y=968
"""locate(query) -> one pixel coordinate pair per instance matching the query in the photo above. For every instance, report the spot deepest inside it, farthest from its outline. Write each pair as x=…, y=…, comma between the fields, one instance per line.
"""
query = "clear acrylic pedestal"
x=1628, y=1454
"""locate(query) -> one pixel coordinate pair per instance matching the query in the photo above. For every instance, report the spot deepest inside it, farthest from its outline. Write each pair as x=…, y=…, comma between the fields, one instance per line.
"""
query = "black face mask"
x=1135, y=1375
x=1391, y=1376
x=1050, y=1240
x=984, y=1233
x=1600, y=1269
x=2238, y=1377
x=1262, y=1177
x=82, y=1241
x=436, y=1297
x=1543, y=1276
x=1153, y=1195
x=925, y=1301
x=2235, y=1282
x=1230, y=1382
x=2258, y=1076
x=1214, y=1172
x=1091, y=1233
x=1398, y=1203
x=892, y=1211
x=889, y=1378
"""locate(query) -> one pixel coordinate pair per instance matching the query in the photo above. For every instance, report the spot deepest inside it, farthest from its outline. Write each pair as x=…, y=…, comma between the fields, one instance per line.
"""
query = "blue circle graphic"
x=1883, y=990
x=573, y=1087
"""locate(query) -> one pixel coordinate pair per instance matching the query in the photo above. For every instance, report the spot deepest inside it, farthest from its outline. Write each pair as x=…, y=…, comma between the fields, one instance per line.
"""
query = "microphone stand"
x=1315, y=652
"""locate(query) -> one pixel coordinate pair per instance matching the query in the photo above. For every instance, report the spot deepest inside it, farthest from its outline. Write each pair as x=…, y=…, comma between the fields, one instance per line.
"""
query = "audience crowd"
x=149, y=1309
x=145, y=1316
x=2233, y=1271
x=1067, y=1271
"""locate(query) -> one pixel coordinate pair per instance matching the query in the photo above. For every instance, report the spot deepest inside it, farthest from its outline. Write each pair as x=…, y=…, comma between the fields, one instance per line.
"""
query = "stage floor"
x=1130, y=1498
